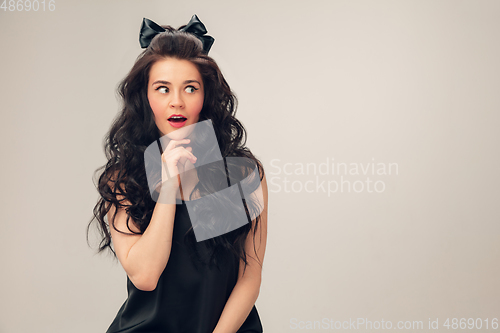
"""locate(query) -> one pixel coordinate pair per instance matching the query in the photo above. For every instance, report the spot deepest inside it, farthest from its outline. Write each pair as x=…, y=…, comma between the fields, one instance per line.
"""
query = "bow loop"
x=197, y=28
x=150, y=29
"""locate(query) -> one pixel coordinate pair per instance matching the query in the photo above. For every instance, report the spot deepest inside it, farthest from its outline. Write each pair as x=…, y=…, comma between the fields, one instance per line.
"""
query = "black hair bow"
x=150, y=29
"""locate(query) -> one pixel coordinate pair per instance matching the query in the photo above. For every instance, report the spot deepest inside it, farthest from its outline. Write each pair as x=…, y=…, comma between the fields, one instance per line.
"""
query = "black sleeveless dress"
x=189, y=296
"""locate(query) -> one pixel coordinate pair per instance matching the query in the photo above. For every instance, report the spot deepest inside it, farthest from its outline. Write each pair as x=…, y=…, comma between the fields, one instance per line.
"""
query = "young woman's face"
x=175, y=88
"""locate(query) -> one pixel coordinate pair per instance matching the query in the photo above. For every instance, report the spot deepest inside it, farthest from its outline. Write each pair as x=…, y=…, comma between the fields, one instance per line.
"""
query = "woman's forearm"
x=148, y=257
x=238, y=306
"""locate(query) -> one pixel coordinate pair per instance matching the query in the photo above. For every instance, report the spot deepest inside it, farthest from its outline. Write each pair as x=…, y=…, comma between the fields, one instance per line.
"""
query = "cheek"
x=156, y=106
x=198, y=106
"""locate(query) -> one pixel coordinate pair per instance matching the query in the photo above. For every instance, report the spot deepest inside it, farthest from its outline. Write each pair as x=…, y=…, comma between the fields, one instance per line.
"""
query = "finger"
x=174, y=143
x=183, y=151
x=178, y=155
x=193, y=158
x=176, y=152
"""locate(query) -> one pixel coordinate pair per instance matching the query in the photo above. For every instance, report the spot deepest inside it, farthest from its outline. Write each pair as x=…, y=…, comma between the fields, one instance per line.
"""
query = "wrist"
x=168, y=192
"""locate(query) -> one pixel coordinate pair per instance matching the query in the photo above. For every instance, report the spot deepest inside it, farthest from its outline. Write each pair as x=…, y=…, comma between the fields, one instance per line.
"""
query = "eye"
x=191, y=89
x=162, y=89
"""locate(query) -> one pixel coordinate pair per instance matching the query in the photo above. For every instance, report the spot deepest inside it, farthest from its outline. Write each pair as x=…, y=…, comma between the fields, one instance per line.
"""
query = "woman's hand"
x=174, y=159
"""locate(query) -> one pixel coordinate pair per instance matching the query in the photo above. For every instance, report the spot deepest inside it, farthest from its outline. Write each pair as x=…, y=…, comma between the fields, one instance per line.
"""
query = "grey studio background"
x=408, y=86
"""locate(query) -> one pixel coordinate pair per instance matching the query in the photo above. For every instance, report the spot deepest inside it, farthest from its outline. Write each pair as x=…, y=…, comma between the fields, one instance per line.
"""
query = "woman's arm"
x=246, y=290
x=144, y=257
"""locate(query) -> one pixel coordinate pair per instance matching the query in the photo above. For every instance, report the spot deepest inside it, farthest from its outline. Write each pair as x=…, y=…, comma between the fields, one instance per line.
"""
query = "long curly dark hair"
x=134, y=129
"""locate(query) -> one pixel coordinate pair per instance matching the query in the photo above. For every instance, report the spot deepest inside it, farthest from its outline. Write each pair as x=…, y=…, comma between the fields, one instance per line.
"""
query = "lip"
x=176, y=114
x=177, y=124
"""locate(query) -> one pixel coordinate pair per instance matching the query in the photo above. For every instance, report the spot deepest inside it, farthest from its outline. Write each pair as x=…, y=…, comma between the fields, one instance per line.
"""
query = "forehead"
x=171, y=69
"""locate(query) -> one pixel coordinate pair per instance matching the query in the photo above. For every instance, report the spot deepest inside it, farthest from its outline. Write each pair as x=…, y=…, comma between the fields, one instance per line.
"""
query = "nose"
x=176, y=101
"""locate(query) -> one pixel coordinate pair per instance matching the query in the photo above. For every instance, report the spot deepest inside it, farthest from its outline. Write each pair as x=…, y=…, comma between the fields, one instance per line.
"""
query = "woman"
x=175, y=282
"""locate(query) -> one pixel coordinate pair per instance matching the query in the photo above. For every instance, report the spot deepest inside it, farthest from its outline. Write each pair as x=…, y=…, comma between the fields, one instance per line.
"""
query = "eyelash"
x=157, y=89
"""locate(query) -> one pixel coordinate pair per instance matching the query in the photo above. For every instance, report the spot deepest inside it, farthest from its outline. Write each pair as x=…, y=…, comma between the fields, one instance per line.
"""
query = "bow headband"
x=150, y=29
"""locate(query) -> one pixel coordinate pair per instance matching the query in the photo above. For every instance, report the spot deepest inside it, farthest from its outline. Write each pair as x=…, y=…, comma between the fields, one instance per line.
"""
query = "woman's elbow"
x=145, y=283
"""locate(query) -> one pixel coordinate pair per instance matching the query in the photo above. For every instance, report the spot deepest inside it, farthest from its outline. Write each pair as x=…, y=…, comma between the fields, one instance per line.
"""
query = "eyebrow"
x=166, y=82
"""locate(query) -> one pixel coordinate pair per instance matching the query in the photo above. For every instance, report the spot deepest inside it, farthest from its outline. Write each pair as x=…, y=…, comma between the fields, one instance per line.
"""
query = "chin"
x=181, y=132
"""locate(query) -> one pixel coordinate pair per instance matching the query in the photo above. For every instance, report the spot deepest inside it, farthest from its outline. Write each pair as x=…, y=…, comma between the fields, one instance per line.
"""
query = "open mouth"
x=177, y=119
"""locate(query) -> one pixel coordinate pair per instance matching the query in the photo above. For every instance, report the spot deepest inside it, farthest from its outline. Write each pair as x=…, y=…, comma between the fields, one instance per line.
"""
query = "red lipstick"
x=177, y=120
